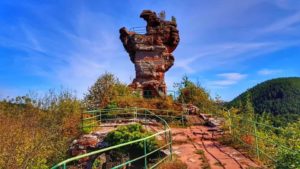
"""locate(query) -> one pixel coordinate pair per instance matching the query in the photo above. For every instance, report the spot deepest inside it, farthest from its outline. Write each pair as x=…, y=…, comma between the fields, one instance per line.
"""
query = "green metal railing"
x=95, y=118
x=261, y=139
x=100, y=118
x=153, y=93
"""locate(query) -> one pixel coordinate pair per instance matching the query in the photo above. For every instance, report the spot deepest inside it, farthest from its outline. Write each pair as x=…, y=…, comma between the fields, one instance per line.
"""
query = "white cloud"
x=215, y=55
x=232, y=76
x=283, y=24
x=228, y=79
x=269, y=71
x=32, y=39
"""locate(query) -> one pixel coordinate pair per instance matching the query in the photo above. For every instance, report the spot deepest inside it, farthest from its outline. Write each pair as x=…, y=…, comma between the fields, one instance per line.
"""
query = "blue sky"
x=226, y=45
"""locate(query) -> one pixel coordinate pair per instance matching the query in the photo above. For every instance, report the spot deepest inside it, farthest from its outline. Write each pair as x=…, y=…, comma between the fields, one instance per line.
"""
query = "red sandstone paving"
x=186, y=150
x=185, y=144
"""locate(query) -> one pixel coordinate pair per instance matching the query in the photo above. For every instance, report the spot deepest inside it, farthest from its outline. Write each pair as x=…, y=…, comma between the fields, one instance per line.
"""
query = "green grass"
x=205, y=163
x=87, y=126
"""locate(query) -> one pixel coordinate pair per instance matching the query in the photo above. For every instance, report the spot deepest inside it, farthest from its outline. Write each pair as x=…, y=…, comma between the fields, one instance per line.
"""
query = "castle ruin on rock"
x=151, y=53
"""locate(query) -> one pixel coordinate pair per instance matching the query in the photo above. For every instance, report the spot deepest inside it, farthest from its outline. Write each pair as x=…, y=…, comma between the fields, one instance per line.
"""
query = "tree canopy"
x=192, y=93
x=279, y=97
x=105, y=89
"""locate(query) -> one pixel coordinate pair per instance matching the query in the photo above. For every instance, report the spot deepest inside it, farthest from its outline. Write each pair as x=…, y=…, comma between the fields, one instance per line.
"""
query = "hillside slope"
x=279, y=96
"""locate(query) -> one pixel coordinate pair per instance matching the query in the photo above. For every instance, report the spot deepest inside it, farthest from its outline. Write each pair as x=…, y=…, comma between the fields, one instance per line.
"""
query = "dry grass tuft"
x=174, y=164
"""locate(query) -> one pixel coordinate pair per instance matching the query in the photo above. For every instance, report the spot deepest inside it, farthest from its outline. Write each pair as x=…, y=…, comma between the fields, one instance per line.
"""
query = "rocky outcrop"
x=192, y=109
x=90, y=142
x=151, y=53
x=87, y=143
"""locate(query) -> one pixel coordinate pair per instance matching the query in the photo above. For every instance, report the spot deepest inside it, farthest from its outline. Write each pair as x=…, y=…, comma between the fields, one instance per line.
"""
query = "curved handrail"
x=166, y=130
x=138, y=29
x=261, y=144
x=132, y=108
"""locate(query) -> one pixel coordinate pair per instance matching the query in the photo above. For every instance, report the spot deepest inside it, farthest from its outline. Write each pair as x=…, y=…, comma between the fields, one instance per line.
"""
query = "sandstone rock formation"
x=95, y=141
x=151, y=53
x=192, y=109
x=87, y=143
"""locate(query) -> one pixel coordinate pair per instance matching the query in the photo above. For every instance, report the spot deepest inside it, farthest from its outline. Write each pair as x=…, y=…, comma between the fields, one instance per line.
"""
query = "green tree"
x=247, y=109
x=195, y=94
x=106, y=88
x=280, y=97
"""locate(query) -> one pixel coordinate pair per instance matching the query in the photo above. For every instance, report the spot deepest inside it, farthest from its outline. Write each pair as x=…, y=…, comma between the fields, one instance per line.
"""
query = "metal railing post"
x=256, y=142
x=166, y=137
x=182, y=118
x=81, y=117
x=170, y=141
x=145, y=116
x=136, y=115
x=145, y=152
x=230, y=122
x=95, y=120
x=100, y=117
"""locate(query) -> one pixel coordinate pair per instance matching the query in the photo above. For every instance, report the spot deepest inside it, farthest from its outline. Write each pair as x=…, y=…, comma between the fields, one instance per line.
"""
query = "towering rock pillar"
x=151, y=53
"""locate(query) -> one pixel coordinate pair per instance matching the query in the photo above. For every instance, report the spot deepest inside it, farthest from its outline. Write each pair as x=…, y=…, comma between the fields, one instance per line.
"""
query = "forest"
x=279, y=98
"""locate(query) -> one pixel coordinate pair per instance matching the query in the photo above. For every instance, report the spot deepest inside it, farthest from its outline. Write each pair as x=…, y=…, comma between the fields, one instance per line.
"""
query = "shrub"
x=152, y=103
x=192, y=93
x=288, y=160
x=128, y=133
x=35, y=132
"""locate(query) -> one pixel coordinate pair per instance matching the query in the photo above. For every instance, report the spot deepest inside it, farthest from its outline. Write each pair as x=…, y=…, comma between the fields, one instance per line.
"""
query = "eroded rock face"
x=151, y=53
x=192, y=109
x=84, y=144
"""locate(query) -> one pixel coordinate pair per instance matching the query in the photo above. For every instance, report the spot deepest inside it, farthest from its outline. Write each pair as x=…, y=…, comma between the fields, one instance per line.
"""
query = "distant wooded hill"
x=279, y=96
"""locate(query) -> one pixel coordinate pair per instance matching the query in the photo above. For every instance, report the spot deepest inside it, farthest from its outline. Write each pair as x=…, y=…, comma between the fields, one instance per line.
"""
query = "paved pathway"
x=188, y=140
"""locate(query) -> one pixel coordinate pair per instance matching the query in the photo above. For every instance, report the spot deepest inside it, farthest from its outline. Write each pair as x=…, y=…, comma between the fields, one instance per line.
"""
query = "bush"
x=272, y=142
x=128, y=133
x=174, y=164
x=151, y=103
x=192, y=93
x=35, y=132
x=288, y=160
